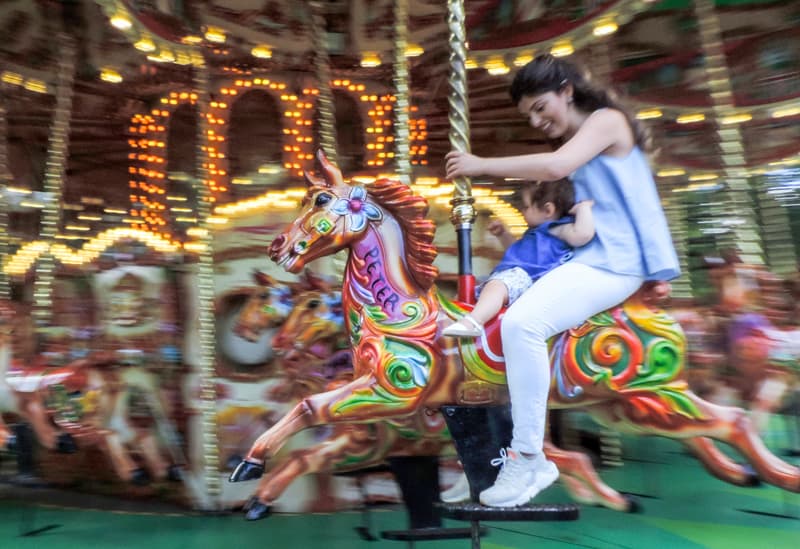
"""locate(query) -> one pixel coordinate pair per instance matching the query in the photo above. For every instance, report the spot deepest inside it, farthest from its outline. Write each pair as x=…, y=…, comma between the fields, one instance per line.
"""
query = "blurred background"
x=150, y=150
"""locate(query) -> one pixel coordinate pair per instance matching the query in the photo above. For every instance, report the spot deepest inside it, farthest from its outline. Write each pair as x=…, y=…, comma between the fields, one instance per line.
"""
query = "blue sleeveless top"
x=632, y=236
x=537, y=251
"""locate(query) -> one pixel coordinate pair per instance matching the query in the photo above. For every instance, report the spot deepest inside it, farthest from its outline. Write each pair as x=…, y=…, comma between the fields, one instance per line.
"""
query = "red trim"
x=466, y=289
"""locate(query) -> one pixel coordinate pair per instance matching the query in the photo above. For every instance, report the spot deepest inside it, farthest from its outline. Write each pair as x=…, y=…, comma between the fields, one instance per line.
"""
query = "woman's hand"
x=462, y=164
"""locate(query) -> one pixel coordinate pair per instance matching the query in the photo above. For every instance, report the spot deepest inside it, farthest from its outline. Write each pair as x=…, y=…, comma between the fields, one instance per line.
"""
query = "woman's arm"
x=601, y=131
x=581, y=231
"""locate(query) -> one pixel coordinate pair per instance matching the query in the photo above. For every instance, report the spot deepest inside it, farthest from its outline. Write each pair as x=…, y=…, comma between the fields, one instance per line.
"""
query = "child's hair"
x=547, y=73
x=560, y=192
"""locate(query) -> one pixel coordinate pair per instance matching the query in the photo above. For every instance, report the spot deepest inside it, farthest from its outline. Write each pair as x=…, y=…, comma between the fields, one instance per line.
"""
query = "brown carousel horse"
x=87, y=401
x=267, y=306
x=309, y=347
x=623, y=366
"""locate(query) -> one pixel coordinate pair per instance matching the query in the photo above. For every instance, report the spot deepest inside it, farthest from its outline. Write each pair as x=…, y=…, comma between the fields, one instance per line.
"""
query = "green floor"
x=683, y=508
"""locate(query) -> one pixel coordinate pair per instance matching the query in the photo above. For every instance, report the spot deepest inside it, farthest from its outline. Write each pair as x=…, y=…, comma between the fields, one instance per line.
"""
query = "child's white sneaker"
x=458, y=492
x=520, y=479
x=465, y=327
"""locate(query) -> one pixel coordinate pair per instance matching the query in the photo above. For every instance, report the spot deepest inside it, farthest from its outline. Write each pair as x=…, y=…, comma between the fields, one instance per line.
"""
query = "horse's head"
x=314, y=324
x=333, y=215
x=266, y=307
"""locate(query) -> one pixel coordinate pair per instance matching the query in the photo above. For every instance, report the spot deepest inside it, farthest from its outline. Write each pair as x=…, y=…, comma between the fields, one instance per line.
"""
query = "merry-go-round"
x=229, y=251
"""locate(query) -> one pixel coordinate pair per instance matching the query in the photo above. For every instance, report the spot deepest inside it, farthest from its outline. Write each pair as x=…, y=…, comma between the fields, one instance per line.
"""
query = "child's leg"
x=493, y=296
x=502, y=287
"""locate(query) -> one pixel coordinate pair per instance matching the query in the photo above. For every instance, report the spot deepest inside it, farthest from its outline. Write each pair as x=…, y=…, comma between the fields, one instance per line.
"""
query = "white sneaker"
x=520, y=479
x=458, y=492
x=466, y=326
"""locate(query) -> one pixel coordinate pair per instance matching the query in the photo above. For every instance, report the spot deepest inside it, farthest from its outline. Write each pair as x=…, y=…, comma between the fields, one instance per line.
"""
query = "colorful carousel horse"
x=309, y=347
x=87, y=401
x=623, y=366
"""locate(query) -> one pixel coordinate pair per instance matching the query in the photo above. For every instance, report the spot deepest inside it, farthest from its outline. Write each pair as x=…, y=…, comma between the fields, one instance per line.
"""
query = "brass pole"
x=205, y=293
x=463, y=213
x=5, y=181
x=402, y=147
x=327, y=119
x=745, y=236
x=54, y=175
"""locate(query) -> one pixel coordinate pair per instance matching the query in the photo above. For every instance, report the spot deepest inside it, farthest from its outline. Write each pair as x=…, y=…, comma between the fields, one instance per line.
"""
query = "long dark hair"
x=548, y=73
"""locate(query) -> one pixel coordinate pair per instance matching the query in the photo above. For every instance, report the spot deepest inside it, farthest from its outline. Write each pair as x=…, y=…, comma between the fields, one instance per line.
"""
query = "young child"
x=546, y=244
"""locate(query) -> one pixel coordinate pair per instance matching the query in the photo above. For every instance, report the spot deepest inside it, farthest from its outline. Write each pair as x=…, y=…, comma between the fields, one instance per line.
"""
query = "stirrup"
x=462, y=329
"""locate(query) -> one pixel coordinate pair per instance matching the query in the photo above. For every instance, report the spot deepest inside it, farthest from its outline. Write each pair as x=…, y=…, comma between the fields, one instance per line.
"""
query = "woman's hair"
x=560, y=192
x=547, y=73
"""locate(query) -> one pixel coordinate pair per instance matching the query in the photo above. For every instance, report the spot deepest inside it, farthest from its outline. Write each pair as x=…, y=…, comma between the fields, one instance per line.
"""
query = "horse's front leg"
x=319, y=457
x=360, y=400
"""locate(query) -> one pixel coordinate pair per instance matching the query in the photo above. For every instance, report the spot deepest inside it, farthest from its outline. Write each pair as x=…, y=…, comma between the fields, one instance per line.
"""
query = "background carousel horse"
x=311, y=343
x=745, y=348
x=87, y=400
x=309, y=347
x=266, y=307
x=623, y=365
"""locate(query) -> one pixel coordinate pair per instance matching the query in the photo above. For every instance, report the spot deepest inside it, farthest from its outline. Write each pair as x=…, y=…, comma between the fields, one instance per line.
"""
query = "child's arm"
x=499, y=229
x=581, y=231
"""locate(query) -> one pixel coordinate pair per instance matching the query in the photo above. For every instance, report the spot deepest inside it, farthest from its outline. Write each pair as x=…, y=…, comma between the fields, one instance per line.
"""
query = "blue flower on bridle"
x=357, y=209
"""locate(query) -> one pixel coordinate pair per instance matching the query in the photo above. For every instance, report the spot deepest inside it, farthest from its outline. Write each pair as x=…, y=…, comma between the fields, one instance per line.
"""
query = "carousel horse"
x=87, y=400
x=311, y=343
x=266, y=306
x=623, y=366
x=309, y=347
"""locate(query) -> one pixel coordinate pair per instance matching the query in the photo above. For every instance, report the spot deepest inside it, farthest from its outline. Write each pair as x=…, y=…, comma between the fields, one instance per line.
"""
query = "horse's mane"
x=410, y=211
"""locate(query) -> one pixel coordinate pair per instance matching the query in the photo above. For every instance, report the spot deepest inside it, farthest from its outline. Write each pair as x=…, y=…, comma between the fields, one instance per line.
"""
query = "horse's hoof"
x=634, y=505
x=174, y=473
x=246, y=470
x=140, y=477
x=65, y=444
x=257, y=510
x=11, y=444
x=751, y=478
x=233, y=461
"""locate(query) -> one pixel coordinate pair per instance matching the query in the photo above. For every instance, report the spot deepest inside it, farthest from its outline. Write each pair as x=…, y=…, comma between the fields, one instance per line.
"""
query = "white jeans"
x=561, y=299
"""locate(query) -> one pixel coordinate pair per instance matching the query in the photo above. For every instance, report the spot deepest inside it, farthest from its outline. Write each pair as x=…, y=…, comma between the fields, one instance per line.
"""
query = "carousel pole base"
x=479, y=433
x=418, y=477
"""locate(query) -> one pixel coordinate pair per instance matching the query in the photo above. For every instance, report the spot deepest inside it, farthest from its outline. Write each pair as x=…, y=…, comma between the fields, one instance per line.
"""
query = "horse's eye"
x=264, y=295
x=313, y=304
x=322, y=199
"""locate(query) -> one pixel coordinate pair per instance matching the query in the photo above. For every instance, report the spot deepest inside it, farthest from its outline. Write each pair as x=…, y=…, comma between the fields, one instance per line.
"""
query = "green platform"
x=684, y=507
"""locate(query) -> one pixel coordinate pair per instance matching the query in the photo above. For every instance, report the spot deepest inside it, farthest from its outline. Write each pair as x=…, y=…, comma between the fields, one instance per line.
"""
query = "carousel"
x=228, y=251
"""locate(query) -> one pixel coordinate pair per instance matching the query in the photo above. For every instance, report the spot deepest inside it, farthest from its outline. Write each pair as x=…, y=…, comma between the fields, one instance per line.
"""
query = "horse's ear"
x=262, y=279
x=313, y=181
x=331, y=171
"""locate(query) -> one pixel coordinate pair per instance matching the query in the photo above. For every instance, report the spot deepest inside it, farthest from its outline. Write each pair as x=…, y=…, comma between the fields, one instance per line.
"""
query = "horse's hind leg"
x=720, y=465
x=724, y=423
x=582, y=481
x=150, y=449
